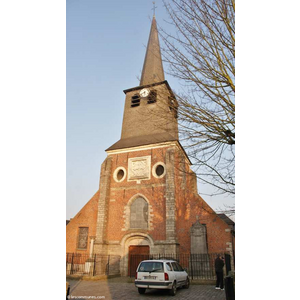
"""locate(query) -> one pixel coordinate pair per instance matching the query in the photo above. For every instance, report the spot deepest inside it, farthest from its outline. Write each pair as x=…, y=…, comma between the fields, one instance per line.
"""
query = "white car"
x=161, y=274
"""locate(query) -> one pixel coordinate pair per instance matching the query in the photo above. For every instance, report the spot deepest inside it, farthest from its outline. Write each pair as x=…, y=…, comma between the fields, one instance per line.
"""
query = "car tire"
x=141, y=290
x=173, y=290
x=187, y=283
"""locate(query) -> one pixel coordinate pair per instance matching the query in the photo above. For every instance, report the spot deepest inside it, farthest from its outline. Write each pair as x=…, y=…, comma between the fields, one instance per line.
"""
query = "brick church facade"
x=147, y=197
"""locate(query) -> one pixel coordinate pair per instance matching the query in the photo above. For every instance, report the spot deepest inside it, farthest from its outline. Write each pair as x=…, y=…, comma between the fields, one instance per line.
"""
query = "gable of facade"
x=82, y=227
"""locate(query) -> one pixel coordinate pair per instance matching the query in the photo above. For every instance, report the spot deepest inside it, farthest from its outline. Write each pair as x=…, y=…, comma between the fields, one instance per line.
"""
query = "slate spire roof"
x=147, y=123
x=153, y=68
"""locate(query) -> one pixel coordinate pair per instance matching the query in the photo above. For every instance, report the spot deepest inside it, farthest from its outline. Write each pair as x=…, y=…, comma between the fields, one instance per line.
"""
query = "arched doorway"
x=136, y=254
x=137, y=244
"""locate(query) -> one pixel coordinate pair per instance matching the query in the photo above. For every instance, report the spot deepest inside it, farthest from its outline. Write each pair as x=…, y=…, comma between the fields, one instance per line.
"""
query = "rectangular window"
x=175, y=267
x=169, y=268
x=156, y=267
x=179, y=267
x=83, y=238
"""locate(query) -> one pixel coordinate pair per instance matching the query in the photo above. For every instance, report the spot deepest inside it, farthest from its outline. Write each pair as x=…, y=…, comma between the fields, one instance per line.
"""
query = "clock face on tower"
x=144, y=92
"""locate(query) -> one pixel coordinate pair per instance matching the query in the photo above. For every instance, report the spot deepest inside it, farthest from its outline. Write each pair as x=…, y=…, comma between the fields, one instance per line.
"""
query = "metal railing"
x=198, y=266
x=84, y=264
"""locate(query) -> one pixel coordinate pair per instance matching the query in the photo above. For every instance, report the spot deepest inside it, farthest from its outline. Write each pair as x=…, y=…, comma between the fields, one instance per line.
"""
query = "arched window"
x=139, y=214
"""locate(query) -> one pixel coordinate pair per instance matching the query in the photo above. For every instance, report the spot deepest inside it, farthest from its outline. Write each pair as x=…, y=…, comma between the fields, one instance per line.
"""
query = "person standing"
x=219, y=264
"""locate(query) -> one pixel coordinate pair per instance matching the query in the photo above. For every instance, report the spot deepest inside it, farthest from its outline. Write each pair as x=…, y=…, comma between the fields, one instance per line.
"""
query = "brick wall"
x=189, y=206
x=153, y=190
x=86, y=217
x=180, y=188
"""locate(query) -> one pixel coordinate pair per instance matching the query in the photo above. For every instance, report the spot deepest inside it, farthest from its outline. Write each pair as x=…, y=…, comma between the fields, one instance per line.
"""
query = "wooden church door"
x=136, y=255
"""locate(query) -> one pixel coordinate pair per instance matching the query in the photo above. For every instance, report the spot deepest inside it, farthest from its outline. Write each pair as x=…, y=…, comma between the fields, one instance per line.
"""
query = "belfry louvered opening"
x=152, y=97
x=135, y=100
x=173, y=106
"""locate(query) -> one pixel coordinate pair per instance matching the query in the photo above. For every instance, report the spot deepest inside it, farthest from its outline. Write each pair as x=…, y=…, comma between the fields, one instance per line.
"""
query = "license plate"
x=150, y=277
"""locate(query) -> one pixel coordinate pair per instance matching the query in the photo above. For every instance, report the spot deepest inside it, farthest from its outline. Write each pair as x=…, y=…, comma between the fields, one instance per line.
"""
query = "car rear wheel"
x=187, y=283
x=173, y=290
x=142, y=290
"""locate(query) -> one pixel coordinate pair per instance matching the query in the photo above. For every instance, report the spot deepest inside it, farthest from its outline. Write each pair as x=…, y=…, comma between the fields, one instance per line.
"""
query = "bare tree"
x=202, y=55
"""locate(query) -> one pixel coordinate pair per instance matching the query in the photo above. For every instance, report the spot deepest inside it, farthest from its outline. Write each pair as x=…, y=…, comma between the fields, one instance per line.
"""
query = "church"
x=147, y=201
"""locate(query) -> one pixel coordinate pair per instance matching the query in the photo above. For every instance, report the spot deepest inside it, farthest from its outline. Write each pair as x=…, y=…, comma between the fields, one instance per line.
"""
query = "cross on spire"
x=154, y=8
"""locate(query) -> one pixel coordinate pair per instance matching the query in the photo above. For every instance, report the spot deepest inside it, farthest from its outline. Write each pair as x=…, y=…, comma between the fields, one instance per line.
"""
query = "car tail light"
x=166, y=276
x=136, y=275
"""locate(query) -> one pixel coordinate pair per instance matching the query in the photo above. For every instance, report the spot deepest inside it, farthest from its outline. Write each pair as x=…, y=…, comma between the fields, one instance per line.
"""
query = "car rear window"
x=157, y=267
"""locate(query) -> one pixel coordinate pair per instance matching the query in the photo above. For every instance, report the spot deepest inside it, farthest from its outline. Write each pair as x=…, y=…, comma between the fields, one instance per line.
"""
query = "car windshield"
x=151, y=267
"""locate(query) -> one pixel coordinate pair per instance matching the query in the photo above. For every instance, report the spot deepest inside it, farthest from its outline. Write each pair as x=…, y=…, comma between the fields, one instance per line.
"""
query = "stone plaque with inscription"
x=139, y=168
x=198, y=238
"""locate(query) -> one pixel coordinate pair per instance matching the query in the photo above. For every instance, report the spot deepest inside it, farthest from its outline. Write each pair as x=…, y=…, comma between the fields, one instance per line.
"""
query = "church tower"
x=147, y=202
x=136, y=212
x=150, y=108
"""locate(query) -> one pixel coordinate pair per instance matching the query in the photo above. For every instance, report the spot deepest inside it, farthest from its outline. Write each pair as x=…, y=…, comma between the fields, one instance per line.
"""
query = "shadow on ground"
x=123, y=288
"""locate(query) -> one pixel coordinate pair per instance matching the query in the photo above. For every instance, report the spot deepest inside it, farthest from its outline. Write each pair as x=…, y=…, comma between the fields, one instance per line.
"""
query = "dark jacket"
x=219, y=264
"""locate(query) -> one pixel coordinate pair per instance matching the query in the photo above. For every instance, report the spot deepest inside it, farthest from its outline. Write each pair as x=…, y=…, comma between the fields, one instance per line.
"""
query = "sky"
x=105, y=49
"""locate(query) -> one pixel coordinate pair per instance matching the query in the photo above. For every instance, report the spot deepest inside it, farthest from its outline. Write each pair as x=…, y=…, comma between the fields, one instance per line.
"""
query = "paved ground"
x=116, y=289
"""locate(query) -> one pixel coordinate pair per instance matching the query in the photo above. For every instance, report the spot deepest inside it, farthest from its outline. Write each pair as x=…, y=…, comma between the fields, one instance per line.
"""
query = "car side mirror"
x=185, y=269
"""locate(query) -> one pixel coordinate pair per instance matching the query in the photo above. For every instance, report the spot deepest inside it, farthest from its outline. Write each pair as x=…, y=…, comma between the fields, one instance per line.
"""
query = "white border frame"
x=154, y=170
x=116, y=173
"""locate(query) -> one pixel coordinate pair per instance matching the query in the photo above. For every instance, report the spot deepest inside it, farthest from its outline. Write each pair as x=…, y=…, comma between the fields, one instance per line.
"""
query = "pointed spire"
x=153, y=69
